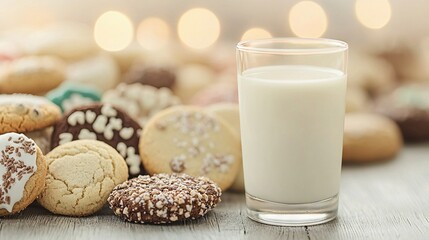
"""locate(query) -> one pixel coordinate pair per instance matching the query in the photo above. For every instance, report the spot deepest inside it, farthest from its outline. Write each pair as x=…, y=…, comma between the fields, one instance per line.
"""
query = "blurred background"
x=192, y=45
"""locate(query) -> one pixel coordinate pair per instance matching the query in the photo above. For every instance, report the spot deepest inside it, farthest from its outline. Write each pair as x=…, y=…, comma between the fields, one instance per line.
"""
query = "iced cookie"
x=164, y=198
x=187, y=140
x=42, y=138
x=81, y=175
x=408, y=106
x=140, y=101
x=23, y=171
x=154, y=76
x=69, y=96
x=105, y=123
x=32, y=75
x=230, y=113
x=370, y=138
x=99, y=71
x=25, y=113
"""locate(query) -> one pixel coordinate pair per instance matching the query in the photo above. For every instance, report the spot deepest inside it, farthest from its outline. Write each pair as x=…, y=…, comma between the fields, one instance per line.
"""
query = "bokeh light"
x=373, y=14
x=198, y=28
x=113, y=31
x=153, y=33
x=308, y=19
x=255, y=33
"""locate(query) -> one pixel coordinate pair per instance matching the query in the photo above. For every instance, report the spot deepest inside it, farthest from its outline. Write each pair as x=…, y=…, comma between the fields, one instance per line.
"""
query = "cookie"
x=408, y=106
x=140, y=101
x=67, y=40
x=154, y=76
x=164, y=198
x=374, y=75
x=42, y=138
x=370, y=138
x=357, y=100
x=98, y=71
x=69, y=96
x=191, y=79
x=230, y=113
x=186, y=139
x=105, y=123
x=216, y=93
x=25, y=113
x=23, y=171
x=32, y=75
x=81, y=175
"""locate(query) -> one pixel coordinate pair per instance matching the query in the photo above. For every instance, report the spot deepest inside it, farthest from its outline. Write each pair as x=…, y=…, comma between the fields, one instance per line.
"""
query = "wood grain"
x=381, y=201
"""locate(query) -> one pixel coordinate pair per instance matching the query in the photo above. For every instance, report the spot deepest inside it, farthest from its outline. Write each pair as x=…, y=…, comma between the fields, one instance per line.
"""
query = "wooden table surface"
x=381, y=201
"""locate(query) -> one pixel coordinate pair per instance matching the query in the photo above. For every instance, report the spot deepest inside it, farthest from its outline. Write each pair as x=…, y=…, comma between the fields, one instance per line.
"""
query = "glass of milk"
x=292, y=104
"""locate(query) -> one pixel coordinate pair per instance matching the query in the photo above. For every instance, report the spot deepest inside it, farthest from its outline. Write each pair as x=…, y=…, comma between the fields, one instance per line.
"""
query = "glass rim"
x=328, y=46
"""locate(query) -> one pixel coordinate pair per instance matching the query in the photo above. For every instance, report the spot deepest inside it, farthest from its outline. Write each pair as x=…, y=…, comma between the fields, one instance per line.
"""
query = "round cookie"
x=23, y=171
x=81, y=175
x=191, y=79
x=105, y=123
x=154, y=76
x=42, y=138
x=230, y=113
x=187, y=140
x=216, y=93
x=140, y=101
x=69, y=96
x=99, y=71
x=370, y=138
x=164, y=198
x=32, y=75
x=408, y=106
x=25, y=113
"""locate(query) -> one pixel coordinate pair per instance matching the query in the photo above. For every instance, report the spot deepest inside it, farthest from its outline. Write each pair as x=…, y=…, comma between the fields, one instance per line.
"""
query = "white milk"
x=292, y=121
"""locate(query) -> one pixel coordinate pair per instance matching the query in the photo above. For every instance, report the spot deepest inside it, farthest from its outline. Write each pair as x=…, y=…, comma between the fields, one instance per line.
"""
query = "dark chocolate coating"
x=153, y=76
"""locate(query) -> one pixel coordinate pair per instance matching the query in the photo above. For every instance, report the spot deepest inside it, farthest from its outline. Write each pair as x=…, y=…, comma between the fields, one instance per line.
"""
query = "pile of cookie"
x=387, y=103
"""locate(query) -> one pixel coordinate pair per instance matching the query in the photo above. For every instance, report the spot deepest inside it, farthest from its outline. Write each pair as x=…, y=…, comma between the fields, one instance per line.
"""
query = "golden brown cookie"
x=32, y=75
x=25, y=113
x=191, y=79
x=22, y=170
x=81, y=175
x=230, y=113
x=370, y=138
x=188, y=140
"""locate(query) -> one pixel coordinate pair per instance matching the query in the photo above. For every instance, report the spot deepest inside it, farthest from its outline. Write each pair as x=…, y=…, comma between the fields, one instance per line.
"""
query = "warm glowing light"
x=308, y=19
x=255, y=33
x=153, y=33
x=198, y=28
x=113, y=31
x=373, y=14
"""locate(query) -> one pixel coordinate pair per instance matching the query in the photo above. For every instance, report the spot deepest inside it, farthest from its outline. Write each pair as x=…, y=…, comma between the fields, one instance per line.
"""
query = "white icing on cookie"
x=100, y=124
x=90, y=116
x=122, y=149
x=86, y=134
x=108, y=110
x=76, y=118
x=26, y=99
x=133, y=161
x=75, y=100
x=65, y=138
x=18, y=162
x=126, y=133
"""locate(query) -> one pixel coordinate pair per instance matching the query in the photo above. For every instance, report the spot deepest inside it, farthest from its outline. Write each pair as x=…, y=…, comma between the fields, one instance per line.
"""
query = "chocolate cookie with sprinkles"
x=22, y=171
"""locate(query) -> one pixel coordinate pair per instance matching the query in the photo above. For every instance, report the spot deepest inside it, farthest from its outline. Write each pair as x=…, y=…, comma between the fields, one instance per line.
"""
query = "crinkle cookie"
x=32, y=75
x=140, y=101
x=164, y=198
x=81, y=175
x=105, y=123
x=186, y=139
x=22, y=170
x=25, y=113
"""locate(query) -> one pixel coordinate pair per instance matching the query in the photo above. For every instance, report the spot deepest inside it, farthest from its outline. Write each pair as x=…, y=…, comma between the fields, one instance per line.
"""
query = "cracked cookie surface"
x=81, y=175
x=25, y=113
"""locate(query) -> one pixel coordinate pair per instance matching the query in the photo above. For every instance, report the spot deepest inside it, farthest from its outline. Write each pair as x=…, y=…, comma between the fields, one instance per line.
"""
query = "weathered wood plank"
x=381, y=201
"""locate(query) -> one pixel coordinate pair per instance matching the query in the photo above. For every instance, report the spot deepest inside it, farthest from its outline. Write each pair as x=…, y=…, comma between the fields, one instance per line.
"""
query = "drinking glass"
x=292, y=104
